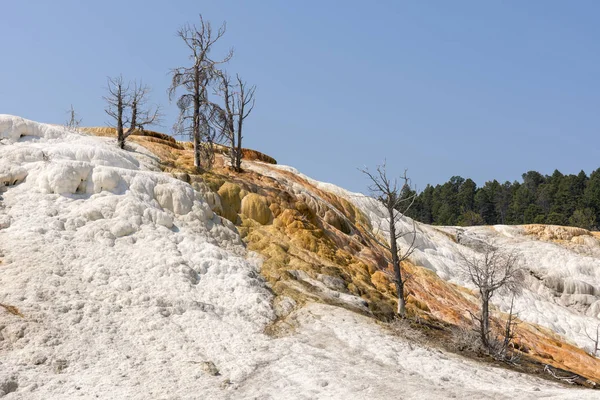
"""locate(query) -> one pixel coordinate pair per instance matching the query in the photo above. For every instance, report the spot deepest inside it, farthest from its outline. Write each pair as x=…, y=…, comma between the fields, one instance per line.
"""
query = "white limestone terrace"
x=125, y=276
x=130, y=287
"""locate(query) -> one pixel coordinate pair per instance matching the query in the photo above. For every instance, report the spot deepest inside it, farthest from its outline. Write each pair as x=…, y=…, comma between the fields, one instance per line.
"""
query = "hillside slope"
x=123, y=275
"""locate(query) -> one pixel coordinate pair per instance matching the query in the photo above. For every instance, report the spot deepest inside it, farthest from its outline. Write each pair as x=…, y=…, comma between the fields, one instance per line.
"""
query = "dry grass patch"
x=12, y=310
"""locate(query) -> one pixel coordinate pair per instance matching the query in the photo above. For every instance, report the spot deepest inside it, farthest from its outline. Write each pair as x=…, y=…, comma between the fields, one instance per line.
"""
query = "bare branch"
x=73, y=122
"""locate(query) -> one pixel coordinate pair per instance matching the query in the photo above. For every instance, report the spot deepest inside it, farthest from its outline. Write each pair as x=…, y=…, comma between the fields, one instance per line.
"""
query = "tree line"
x=555, y=199
x=212, y=105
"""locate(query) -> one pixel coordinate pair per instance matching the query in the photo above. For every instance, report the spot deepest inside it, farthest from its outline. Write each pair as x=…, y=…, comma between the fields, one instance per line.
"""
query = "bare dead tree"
x=388, y=193
x=502, y=347
x=595, y=340
x=225, y=116
x=195, y=109
x=491, y=271
x=73, y=122
x=127, y=105
x=141, y=113
x=509, y=327
x=117, y=101
x=245, y=104
x=238, y=103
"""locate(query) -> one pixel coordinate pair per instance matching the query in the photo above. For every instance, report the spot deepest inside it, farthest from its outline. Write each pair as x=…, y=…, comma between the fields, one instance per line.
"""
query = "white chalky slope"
x=128, y=283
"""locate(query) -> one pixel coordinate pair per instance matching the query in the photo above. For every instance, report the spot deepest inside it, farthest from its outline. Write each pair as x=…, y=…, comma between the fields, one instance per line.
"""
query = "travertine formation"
x=126, y=275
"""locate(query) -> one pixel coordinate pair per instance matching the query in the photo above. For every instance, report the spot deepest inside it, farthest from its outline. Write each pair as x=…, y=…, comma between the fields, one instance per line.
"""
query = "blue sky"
x=481, y=89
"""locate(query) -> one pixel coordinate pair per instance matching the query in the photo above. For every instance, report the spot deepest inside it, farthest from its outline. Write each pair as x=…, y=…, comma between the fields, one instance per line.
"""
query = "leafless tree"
x=195, y=110
x=245, y=104
x=127, y=104
x=224, y=117
x=117, y=101
x=595, y=340
x=502, y=348
x=73, y=122
x=491, y=271
x=509, y=326
x=388, y=192
x=238, y=100
x=141, y=113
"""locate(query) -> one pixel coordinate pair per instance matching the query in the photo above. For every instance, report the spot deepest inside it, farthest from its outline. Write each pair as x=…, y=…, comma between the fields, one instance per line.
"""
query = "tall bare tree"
x=141, y=113
x=74, y=121
x=388, y=192
x=127, y=104
x=225, y=116
x=238, y=100
x=117, y=101
x=492, y=270
x=245, y=104
x=195, y=109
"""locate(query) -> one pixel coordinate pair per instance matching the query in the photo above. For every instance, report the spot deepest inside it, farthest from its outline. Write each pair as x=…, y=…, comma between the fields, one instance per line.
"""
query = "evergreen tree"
x=502, y=200
x=585, y=219
x=521, y=200
x=470, y=218
x=407, y=195
x=569, y=192
x=466, y=196
x=426, y=212
x=484, y=203
x=532, y=180
x=591, y=194
x=556, y=218
x=545, y=197
x=533, y=214
x=556, y=199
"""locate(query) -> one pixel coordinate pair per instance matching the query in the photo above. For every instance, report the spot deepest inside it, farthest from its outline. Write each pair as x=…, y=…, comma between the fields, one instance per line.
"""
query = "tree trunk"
x=229, y=122
x=485, y=320
x=231, y=128
x=401, y=302
x=120, y=134
x=238, y=153
x=196, y=122
x=124, y=135
x=232, y=156
x=238, y=159
x=396, y=264
x=508, y=331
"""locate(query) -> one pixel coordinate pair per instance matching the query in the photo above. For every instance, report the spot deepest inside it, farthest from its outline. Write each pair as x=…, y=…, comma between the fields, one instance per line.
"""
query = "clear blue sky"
x=481, y=89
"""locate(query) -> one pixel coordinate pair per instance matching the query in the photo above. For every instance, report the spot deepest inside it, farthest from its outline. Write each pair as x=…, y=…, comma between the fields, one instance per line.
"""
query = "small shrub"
x=465, y=340
x=404, y=329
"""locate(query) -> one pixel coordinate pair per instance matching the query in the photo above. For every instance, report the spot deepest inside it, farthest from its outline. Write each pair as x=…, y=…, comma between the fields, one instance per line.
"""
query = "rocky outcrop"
x=256, y=207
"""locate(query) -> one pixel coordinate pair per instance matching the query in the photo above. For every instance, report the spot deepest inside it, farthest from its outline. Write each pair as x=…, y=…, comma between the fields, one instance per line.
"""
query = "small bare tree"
x=224, y=117
x=195, y=110
x=388, y=193
x=245, y=104
x=238, y=103
x=73, y=122
x=141, y=113
x=492, y=271
x=503, y=347
x=117, y=101
x=595, y=340
x=128, y=105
